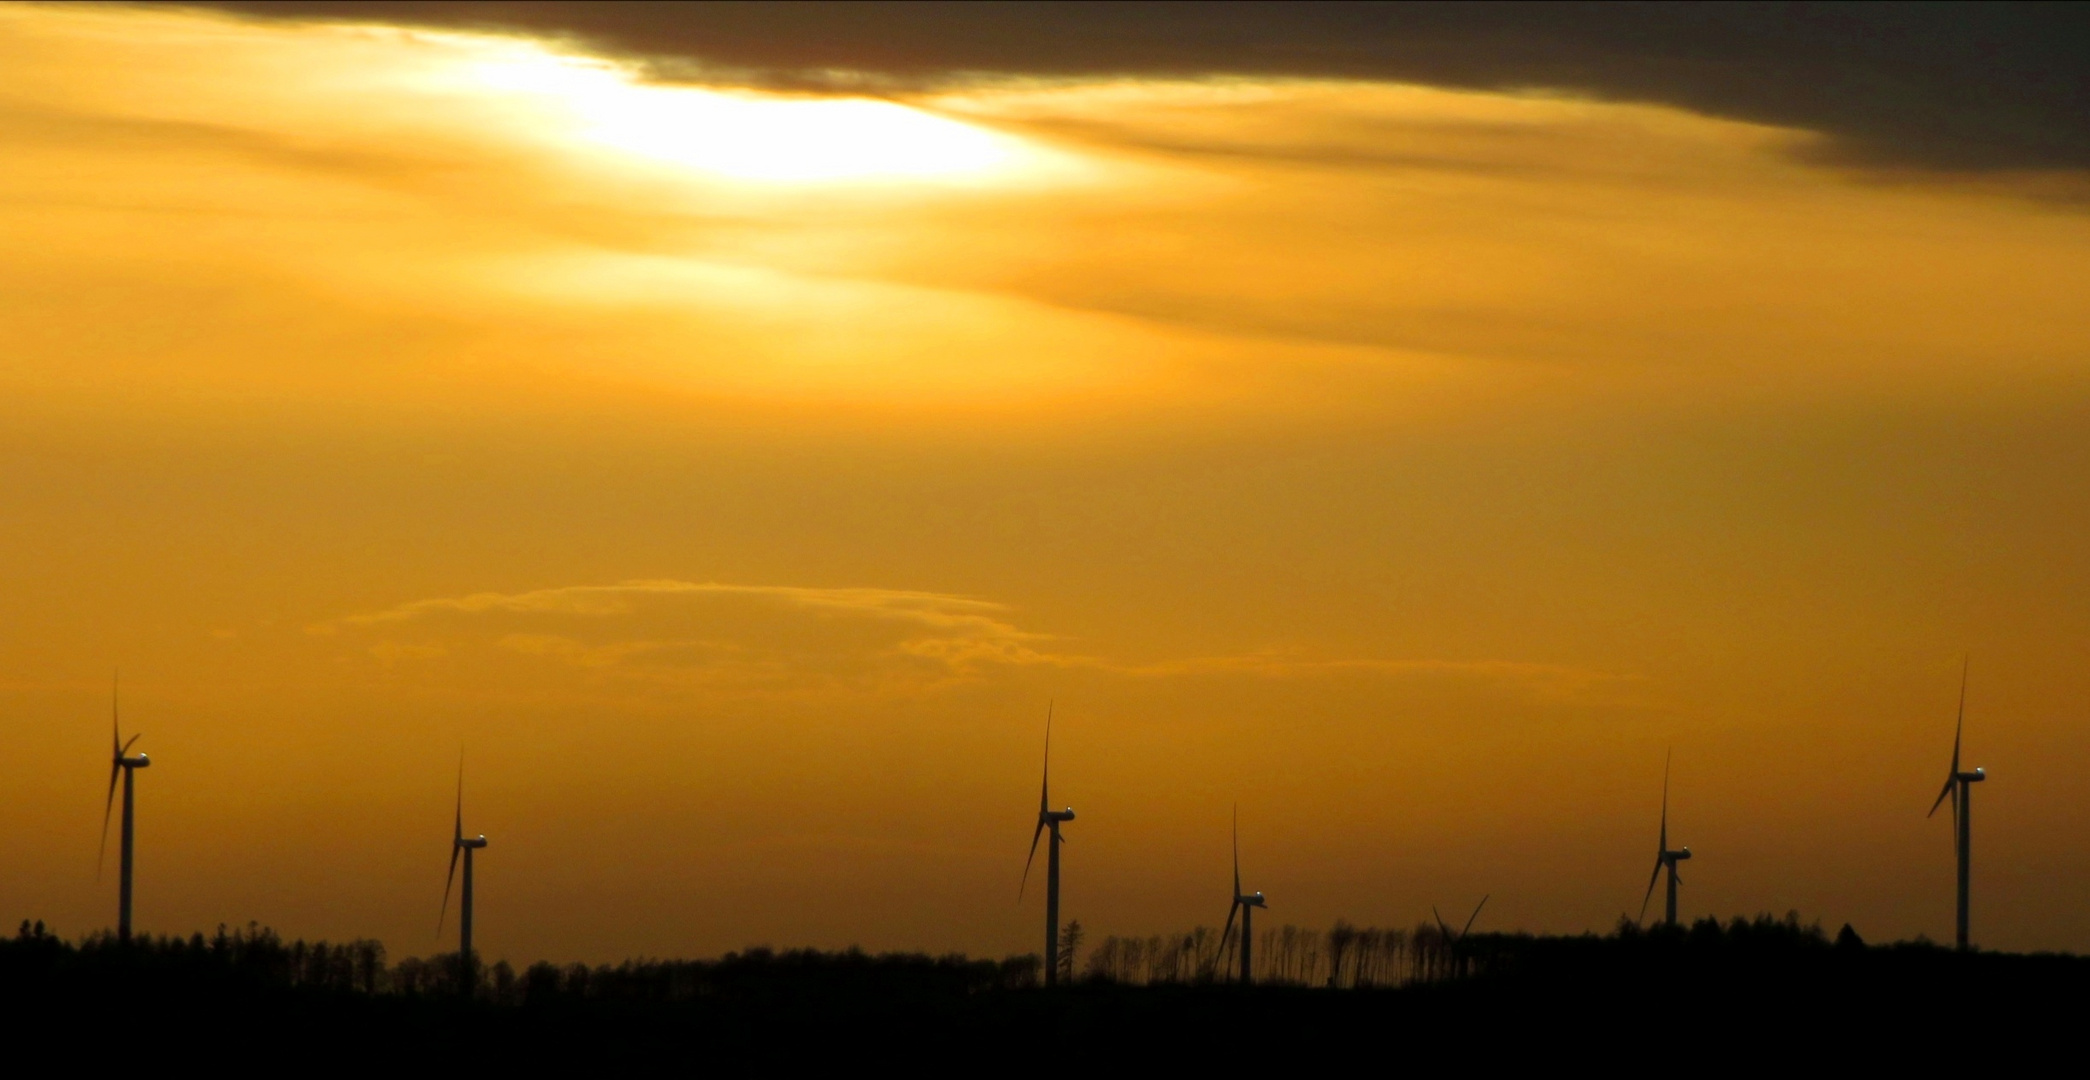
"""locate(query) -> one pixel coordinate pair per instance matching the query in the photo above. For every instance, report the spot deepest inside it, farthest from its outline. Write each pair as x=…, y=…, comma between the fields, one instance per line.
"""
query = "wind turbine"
x=1048, y=818
x=1962, y=796
x=1246, y=905
x=120, y=761
x=459, y=843
x=1665, y=857
x=1451, y=940
x=1461, y=935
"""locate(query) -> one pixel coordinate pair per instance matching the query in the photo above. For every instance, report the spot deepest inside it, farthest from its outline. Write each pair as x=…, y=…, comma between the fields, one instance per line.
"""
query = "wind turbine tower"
x=1048, y=820
x=1246, y=905
x=1958, y=788
x=461, y=844
x=1665, y=858
x=121, y=761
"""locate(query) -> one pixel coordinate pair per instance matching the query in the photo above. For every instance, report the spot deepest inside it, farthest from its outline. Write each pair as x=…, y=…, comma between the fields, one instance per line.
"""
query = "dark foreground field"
x=1714, y=998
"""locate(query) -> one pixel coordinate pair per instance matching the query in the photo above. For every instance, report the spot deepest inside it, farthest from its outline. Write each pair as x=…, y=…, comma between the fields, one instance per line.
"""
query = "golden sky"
x=736, y=475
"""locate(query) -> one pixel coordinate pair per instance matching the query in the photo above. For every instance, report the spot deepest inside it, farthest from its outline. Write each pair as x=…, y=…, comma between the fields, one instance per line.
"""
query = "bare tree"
x=1070, y=948
x=1205, y=951
x=1103, y=961
x=1340, y=938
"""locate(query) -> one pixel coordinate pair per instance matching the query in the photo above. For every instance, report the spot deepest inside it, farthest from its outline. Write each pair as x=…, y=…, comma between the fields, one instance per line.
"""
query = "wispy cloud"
x=941, y=610
x=796, y=639
x=768, y=636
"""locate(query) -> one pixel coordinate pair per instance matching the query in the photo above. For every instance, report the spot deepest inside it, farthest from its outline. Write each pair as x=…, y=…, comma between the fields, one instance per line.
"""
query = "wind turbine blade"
x=107, y=807
x=1035, y=834
x=1229, y=927
x=456, y=845
x=1959, y=725
x=1446, y=930
x=447, y=882
x=1664, y=843
x=457, y=836
x=1950, y=781
x=115, y=766
x=1045, y=786
x=1652, y=878
x=1476, y=914
x=127, y=744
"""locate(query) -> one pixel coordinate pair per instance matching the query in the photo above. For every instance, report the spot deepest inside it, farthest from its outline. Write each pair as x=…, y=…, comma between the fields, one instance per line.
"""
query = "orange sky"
x=737, y=476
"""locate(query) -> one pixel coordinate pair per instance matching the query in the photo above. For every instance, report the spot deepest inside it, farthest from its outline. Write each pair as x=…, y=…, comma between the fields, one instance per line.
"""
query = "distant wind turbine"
x=1962, y=796
x=121, y=762
x=1246, y=905
x=460, y=844
x=1048, y=819
x=1461, y=935
x=1665, y=858
x=1453, y=941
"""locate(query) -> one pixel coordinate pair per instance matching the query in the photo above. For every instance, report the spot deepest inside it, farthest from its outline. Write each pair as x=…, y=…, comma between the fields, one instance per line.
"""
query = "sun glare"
x=748, y=135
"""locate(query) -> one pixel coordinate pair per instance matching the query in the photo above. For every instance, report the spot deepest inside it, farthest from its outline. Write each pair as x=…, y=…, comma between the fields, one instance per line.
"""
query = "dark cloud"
x=1979, y=87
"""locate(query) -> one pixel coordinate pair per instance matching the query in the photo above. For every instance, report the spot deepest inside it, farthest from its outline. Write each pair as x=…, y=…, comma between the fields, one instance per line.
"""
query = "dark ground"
x=1714, y=998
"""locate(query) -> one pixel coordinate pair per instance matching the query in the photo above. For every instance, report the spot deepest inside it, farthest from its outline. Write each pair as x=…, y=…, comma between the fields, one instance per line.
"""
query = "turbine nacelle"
x=1975, y=777
x=134, y=761
x=1253, y=900
x=1049, y=817
x=471, y=842
x=1682, y=853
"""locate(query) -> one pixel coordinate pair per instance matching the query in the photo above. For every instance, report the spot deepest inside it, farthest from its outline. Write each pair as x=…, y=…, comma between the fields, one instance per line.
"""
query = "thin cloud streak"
x=967, y=642
x=930, y=609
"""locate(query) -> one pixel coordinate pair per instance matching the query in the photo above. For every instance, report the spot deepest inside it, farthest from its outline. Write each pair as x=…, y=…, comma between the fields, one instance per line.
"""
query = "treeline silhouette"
x=1743, y=988
x=256, y=959
x=1343, y=956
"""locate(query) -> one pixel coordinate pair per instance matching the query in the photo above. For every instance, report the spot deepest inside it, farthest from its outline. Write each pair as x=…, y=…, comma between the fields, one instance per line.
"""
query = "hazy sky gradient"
x=736, y=476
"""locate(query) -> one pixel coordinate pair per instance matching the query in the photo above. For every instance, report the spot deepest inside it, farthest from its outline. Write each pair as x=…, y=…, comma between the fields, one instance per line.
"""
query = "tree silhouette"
x=1070, y=948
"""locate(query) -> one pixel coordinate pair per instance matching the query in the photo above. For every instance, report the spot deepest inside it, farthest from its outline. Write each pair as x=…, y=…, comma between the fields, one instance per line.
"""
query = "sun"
x=744, y=135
